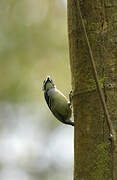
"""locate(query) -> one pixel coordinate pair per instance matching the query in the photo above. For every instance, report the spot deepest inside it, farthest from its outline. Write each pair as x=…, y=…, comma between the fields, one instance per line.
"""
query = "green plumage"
x=57, y=102
x=59, y=105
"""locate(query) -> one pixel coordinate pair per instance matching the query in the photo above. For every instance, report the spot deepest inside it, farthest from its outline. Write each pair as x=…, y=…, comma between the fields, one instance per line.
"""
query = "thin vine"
x=112, y=137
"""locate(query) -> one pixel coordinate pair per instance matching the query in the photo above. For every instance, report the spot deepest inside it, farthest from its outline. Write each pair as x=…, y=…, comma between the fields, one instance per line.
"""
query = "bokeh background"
x=33, y=45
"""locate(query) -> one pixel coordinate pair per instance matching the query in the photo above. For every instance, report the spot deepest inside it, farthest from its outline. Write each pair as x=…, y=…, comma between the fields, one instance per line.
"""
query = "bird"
x=57, y=102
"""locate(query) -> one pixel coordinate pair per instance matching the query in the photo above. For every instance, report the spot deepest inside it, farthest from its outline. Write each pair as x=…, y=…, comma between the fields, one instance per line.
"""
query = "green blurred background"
x=33, y=45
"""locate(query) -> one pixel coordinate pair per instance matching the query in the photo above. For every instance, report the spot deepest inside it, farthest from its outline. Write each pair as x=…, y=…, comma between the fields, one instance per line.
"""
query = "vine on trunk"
x=112, y=137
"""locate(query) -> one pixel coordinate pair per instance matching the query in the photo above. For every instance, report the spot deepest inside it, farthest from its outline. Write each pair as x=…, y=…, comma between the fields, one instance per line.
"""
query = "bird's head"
x=48, y=84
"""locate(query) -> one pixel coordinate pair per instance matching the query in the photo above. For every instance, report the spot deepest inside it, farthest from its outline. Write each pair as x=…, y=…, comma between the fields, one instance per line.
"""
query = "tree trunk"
x=94, y=157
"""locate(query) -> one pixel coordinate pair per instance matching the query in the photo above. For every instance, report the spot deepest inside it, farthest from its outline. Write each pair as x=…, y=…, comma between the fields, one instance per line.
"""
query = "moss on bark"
x=93, y=156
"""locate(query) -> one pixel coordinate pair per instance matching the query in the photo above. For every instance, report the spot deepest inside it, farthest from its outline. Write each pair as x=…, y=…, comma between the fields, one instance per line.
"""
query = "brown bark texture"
x=93, y=156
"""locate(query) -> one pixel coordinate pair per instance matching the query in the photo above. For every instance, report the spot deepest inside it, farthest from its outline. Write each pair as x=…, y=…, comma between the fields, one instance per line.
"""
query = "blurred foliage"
x=33, y=44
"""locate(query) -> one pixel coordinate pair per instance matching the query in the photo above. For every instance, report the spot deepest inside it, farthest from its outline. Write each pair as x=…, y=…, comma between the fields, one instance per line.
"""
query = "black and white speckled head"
x=48, y=84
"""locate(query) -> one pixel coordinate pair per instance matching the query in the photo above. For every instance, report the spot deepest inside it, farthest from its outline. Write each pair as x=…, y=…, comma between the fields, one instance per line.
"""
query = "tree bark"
x=94, y=157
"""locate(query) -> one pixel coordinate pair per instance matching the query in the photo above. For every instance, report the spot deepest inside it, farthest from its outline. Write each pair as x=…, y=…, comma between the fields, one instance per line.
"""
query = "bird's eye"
x=44, y=82
x=48, y=78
